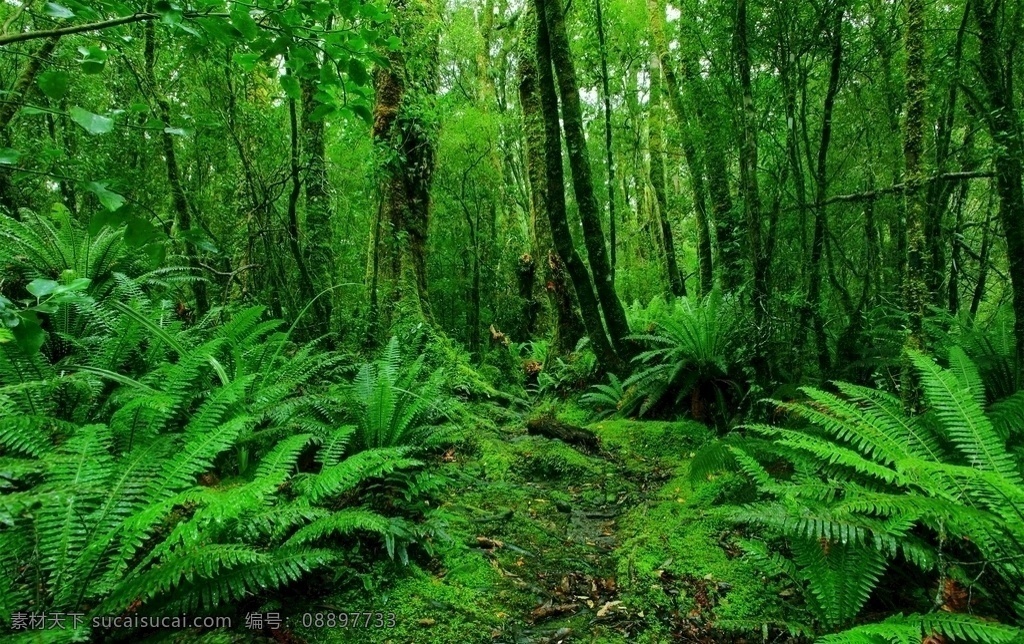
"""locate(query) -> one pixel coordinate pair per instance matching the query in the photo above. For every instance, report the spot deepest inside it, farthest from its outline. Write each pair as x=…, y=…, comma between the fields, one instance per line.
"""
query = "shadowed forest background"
x=586, y=320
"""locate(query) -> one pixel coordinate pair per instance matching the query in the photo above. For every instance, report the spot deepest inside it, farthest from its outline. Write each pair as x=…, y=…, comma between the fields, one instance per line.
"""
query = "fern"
x=868, y=482
x=150, y=503
x=915, y=628
x=690, y=354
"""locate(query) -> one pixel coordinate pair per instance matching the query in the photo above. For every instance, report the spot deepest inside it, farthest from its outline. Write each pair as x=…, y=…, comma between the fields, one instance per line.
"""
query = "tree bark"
x=555, y=193
x=914, y=283
x=178, y=198
x=404, y=138
x=318, y=246
x=609, y=161
x=583, y=185
x=568, y=325
x=656, y=120
x=694, y=161
x=1003, y=121
x=821, y=192
x=750, y=192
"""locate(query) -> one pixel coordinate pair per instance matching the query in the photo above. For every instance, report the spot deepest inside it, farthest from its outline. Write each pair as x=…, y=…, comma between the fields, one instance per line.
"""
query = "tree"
x=552, y=15
x=403, y=133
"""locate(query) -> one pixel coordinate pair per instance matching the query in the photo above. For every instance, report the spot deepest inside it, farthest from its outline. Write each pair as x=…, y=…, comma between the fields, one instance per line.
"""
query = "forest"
x=512, y=322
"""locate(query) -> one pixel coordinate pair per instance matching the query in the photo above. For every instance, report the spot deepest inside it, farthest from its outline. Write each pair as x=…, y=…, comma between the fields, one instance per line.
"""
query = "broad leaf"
x=53, y=83
x=92, y=123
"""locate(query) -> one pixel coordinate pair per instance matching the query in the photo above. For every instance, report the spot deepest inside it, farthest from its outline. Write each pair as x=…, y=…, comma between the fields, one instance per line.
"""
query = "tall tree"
x=814, y=302
x=996, y=69
x=182, y=211
x=687, y=125
x=405, y=90
x=583, y=184
x=915, y=296
x=317, y=247
x=609, y=157
x=568, y=325
x=656, y=120
x=750, y=188
x=590, y=309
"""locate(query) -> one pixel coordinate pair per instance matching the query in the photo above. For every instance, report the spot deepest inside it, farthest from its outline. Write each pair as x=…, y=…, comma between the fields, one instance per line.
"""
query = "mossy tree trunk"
x=814, y=297
x=551, y=14
x=590, y=310
x=318, y=238
x=759, y=260
x=656, y=120
x=403, y=135
x=1003, y=122
x=182, y=210
x=568, y=325
x=915, y=293
x=694, y=160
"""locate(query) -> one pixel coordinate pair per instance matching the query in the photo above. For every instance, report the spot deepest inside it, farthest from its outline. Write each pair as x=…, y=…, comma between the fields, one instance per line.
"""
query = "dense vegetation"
x=552, y=321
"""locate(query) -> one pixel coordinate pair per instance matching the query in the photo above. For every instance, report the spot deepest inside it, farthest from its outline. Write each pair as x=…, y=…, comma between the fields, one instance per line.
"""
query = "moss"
x=674, y=563
x=549, y=459
x=551, y=507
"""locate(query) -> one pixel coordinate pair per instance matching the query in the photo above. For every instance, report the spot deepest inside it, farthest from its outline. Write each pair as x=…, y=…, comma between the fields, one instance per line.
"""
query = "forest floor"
x=550, y=544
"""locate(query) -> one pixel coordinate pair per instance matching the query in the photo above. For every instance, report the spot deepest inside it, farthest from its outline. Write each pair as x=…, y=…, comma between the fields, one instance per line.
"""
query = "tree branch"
x=8, y=39
x=900, y=187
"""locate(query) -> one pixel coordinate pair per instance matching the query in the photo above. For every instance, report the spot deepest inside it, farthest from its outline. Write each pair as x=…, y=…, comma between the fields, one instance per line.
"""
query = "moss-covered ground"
x=550, y=544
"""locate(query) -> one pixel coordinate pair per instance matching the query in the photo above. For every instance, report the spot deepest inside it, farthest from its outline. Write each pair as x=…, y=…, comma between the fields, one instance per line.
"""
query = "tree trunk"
x=609, y=161
x=306, y=293
x=583, y=185
x=821, y=194
x=914, y=283
x=318, y=246
x=750, y=192
x=555, y=193
x=182, y=211
x=1003, y=123
x=656, y=120
x=398, y=264
x=568, y=325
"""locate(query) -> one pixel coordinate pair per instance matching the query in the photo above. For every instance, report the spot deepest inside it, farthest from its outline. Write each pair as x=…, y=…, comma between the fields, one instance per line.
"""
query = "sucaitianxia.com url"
x=64, y=621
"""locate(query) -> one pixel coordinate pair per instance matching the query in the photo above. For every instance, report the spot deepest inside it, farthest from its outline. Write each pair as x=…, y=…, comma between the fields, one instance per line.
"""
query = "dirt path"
x=549, y=544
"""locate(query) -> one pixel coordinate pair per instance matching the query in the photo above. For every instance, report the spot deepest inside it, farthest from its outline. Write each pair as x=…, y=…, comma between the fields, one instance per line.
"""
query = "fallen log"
x=549, y=426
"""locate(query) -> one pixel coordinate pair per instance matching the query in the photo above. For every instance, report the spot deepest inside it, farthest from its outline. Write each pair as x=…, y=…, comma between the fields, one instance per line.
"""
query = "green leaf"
x=53, y=83
x=322, y=111
x=41, y=288
x=110, y=199
x=246, y=61
x=176, y=131
x=9, y=156
x=29, y=335
x=93, y=123
x=357, y=72
x=244, y=23
x=57, y=11
x=291, y=87
x=32, y=110
x=363, y=112
x=5, y=335
x=140, y=232
x=93, y=59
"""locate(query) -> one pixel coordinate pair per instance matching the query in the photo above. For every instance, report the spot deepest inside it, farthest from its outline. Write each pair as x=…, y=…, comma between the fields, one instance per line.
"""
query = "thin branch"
x=8, y=39
x=900, y=187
